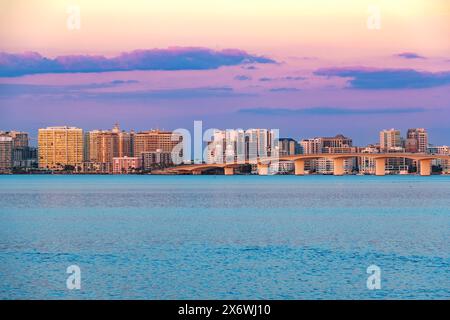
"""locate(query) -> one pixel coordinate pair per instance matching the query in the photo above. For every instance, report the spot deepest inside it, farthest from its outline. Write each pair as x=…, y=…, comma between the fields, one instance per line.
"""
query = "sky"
x=307, y=68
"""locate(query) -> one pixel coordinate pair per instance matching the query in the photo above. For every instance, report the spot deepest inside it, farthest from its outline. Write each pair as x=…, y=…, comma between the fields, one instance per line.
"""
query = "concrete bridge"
x=338, y=159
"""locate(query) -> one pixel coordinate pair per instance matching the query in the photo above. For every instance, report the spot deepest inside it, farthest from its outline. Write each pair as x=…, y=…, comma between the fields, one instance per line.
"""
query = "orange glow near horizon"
x=281, y=27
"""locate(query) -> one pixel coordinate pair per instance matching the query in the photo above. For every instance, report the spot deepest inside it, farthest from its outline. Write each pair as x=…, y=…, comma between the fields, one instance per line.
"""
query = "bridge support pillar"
x=380, y=167
x=228, y=171
x=338, y=167
x=425, y=167
x=299, y=167
x=263, y=169
x=197, y=172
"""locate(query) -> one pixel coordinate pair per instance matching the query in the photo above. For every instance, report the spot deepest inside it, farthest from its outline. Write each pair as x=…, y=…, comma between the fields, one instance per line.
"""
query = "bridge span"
x=424, y=161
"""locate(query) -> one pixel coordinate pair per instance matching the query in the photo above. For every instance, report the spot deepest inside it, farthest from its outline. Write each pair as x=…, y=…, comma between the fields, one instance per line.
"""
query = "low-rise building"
x=443, y=164
x=124, y=165
x=157, y=159
x=367, y=165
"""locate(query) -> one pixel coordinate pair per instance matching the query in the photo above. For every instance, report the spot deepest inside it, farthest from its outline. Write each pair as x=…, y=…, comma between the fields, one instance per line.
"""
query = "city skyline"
x=33, y=138
x=116, y=127
x=352, y=66
x=67, y=149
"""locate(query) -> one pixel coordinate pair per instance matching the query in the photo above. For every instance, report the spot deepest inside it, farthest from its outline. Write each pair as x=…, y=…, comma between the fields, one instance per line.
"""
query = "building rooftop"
x=60, y=128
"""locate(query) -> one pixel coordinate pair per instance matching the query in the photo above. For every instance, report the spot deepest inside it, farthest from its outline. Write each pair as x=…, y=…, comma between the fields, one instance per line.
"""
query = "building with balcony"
x=6, y=154
x=60, y=147
x=125, y=165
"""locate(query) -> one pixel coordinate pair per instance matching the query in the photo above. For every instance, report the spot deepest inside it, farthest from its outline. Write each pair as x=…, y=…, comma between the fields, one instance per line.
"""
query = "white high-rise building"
x=241, y=145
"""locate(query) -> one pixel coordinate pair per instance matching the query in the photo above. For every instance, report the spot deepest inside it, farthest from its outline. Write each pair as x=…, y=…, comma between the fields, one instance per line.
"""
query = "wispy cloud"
x=242, y=78
x=12, y=89
x=249, y=67
x=84, y=91
x=327, y=111
x=377, y=79
x=284, y=90
x=287, y=78
x=176, y=58
x=291, y=78
x=168, y=94
x=409, y=55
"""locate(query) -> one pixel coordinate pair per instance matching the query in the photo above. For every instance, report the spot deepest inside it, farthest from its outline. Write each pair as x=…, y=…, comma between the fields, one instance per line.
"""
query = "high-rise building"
x=261, y=143
x=390, y=140
x=90, y=145
x=20, y=139
x=107, y=146
x=288, y=146
x=420, y=136
x=6, y=153
x=153, y=140
x=22, y=155
x=311, y=146
x=241, y=145
x=338, y=141
x=59, y=147
x=411, y=145
x=229, y=146
x=101, y=146
x=124, y=141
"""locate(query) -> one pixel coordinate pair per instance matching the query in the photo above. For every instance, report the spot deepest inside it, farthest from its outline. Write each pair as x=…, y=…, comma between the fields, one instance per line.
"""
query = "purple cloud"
x=82, y=93
x=284, y=90
x=287, y=78
x=328, y=111
x=249, y=67
x=409, y=55
x=175, y=58
x=242, y=78
x=290, y=78
x=394, y=79
x=13, y=90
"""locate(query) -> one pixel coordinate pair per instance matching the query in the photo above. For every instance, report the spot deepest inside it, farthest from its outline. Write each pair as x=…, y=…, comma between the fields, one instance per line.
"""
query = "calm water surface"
x=222, y=237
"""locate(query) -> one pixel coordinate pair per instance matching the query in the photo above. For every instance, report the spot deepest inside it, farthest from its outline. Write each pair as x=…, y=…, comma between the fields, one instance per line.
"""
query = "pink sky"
x=301, y=36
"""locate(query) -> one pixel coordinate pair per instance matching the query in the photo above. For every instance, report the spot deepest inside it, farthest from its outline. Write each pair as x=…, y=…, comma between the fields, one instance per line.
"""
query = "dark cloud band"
x=387, y=79
x=177, y=58
x=327, y=111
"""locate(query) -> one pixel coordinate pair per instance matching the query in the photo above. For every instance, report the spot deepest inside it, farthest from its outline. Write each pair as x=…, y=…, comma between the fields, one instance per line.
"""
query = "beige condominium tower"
x=154, y=140
x=60, y=147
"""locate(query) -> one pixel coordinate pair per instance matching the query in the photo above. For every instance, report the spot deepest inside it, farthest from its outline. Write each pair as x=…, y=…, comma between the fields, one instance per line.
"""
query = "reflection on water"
x=239, y=237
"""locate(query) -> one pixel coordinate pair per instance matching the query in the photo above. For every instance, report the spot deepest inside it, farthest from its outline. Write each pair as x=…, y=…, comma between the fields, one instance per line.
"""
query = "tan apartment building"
x=390, y=140
x=124, y=165
x=60, y=146
x=336, y=144
x=154, y=140
x=6, y=153
x=101, y=146
x=417, y=140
